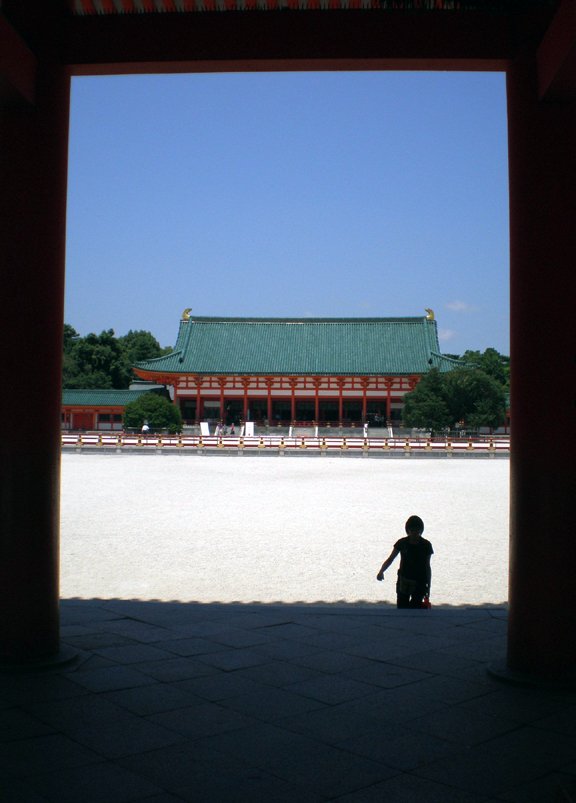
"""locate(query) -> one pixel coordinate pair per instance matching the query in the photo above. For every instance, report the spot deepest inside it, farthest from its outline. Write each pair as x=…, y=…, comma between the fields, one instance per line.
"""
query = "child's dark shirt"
x=414, y=558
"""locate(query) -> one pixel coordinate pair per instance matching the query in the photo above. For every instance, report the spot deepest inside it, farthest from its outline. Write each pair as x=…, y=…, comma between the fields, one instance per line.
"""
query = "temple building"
x=282, y=370
x=99, y=410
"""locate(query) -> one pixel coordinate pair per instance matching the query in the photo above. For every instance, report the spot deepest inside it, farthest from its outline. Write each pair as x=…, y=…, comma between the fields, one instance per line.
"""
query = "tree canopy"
x=156, y=410
x=464, y=397
x=105, y=361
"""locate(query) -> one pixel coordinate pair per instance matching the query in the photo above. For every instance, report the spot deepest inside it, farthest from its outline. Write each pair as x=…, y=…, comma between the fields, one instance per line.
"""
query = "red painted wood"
x=542, y=160
x=33, y=161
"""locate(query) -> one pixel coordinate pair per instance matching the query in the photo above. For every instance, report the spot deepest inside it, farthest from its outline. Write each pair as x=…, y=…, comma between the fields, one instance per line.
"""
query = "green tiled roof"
x=102, y=398
x=303, y=346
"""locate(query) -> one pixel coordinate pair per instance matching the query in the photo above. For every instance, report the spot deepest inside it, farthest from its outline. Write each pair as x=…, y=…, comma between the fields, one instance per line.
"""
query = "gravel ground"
x=278, y=529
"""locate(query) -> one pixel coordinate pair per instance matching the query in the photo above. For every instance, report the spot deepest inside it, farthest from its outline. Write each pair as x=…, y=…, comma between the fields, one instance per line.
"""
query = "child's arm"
x=389, y=560
x=428, y=574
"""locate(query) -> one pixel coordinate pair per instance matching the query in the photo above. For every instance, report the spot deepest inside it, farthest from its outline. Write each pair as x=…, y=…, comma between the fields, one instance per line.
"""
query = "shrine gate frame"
x=43, y=43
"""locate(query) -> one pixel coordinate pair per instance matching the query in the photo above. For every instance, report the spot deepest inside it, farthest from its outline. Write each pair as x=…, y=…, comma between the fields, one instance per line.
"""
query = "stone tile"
x=111, y=678
x=252, y=785
x=402, y=748
x=406, y=788
x=18, y=791
x=132, y=653
x=28, y=757
x=93, y=784
x=232, y=659
x=395, y=706
x=94, y=641
x=333, y=724
x=448, y=689
x=504, y=763
x=385, y=675
x=18, y=689
x=146, y=700
x=435, y=661
x=521, y=705
x=333, y=640
x=90, y=710
x=124, y=738
x=291, y=631
x=456, y=725
x=332, y=662
x=174, y=669
x=269, y=704
x=18, y=724
x=332, y=689
x=219, y=687
x=136, y=631
x=326, y=770
x=205, y=719
x=554, y=787
x=383, y=650
x=192, y=646
x=241, y=638
x=283, y=649
x=85, y=614
x=563, y=721
x=279, y=673
x=260, y=744
x=178, y=766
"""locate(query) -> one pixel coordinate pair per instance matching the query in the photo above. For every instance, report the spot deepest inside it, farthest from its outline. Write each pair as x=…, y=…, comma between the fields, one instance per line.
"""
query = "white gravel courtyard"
x=278, y=529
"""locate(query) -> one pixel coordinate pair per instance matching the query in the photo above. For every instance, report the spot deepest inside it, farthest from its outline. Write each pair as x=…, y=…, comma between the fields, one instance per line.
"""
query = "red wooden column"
x=542, y=147
x=364, y=382
x=340, y=382
x=269, y=382
x=198, y=382
x=245, y=384
x=317, y=382
x=293, y=382
x=388, y=382
x=33, y=165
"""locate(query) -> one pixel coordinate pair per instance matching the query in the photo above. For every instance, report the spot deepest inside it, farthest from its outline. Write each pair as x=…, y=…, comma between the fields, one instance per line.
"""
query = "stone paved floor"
x=188, y=702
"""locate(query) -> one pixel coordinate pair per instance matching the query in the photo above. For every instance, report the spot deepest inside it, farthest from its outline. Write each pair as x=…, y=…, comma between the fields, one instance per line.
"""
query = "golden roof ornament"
x=430, y=315
x=186, y=314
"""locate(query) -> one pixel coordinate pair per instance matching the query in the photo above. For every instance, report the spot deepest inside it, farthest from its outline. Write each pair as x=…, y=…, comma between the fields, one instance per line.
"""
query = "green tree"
x=464, y=395
x=105, y=361
x=491, y=362
x=157, y=410
x=96, y=361
x=140, y=345
x=426, y=407
x=475, y=398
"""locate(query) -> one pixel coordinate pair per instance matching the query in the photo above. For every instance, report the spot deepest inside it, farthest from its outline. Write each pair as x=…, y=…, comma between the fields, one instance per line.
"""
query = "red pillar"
x=198, y=399
x=33, y=165
x=542, y=147
x=269, y=400
x=364, y=383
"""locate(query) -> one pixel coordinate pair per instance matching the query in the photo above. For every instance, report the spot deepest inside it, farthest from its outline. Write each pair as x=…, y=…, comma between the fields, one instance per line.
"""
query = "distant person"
x=145, y=428
x=232, y=430
x=414, y=574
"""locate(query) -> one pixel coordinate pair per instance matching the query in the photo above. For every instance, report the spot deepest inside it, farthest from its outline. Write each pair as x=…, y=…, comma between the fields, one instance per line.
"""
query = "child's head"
x=414, y=526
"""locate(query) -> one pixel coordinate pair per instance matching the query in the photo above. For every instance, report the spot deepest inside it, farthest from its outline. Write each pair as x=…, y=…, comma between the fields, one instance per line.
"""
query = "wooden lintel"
x=285, y=40
x=17, y=68
x=557, y=56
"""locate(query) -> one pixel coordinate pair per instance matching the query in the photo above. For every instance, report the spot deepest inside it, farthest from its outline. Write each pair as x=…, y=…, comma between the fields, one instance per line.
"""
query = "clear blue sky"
x=288, y=195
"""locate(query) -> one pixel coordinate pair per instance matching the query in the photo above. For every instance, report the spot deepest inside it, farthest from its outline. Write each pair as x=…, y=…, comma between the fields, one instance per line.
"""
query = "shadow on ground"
x=173, y=701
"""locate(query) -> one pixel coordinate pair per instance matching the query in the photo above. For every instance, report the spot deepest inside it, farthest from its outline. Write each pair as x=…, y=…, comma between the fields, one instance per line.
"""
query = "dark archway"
x=45, y=42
